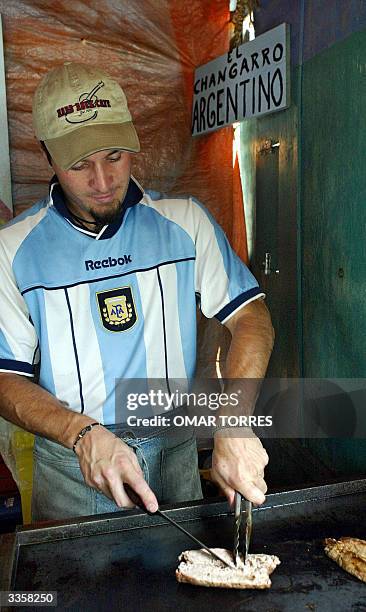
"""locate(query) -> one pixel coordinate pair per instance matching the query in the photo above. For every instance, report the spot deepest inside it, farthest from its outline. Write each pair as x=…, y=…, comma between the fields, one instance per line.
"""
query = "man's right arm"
x=105, y=461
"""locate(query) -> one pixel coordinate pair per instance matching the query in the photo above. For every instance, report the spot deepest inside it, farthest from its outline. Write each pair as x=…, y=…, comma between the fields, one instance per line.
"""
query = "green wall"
x=334, y=210
x=333, y=198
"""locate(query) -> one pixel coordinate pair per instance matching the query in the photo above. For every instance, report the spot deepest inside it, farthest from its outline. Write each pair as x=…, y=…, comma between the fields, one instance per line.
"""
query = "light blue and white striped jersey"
x=88, y=309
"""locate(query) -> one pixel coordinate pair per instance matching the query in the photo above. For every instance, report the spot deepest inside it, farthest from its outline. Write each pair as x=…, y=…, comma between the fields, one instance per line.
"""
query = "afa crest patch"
x=117, y=309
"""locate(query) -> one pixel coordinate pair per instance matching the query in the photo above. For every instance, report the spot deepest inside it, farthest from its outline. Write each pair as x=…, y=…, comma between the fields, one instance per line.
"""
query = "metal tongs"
x=242, y=528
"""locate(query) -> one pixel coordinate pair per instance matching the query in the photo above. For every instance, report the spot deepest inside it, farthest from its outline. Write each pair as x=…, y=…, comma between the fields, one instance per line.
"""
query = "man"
x=99, y=283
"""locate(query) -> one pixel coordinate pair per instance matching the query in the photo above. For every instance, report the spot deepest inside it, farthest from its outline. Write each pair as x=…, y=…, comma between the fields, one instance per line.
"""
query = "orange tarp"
x=152, y=47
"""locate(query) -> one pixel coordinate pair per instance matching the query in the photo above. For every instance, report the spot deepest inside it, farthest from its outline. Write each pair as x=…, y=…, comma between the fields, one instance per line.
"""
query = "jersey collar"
x=133, y=196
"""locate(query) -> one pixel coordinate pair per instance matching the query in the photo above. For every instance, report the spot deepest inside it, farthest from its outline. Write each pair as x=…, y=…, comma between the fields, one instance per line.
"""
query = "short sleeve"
x=18, y=339
x=224, y=283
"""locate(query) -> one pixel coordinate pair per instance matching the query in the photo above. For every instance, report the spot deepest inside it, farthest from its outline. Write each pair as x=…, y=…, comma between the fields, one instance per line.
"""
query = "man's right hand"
x=107, y=462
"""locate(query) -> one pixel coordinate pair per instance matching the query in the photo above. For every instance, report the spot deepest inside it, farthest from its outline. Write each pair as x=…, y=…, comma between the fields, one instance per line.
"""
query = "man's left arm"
x=239, y=458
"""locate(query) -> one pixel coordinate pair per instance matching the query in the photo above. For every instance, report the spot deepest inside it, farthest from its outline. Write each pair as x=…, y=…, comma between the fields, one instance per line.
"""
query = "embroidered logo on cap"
x=117, y=309
x=84, y=109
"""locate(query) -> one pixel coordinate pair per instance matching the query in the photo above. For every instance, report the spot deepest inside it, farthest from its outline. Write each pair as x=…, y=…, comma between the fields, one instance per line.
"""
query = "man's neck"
x=92, y=226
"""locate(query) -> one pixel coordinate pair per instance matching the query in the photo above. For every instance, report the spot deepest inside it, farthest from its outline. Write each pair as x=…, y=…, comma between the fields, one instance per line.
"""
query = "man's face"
x=96, y=186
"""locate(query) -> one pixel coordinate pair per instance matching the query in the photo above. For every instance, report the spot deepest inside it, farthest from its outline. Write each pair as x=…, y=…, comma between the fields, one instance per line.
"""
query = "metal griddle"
x=127, y=561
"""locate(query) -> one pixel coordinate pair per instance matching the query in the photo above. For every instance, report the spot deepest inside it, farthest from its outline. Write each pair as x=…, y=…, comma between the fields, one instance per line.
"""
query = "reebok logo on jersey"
x=117, y=309
x=97, y=264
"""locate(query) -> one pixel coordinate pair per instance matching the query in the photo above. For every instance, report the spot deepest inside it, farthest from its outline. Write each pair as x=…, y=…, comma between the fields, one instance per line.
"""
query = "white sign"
x=249, y=81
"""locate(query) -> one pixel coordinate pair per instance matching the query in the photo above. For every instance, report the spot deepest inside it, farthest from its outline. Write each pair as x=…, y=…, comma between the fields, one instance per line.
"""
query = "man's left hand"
x=238, y=464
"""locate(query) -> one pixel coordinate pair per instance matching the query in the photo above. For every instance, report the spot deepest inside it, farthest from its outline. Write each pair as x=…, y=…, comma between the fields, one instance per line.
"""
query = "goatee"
x=109, y=217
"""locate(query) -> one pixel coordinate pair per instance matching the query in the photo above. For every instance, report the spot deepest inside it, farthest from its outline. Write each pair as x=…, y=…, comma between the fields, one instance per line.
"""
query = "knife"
x=137, y=501
x=242, y=532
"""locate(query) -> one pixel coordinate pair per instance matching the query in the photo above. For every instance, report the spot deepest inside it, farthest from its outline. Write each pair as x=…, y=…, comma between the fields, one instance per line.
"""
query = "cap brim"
x=69, y=149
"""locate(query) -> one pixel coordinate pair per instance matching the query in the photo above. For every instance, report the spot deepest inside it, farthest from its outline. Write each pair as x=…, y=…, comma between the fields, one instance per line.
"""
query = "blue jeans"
x=167, y=457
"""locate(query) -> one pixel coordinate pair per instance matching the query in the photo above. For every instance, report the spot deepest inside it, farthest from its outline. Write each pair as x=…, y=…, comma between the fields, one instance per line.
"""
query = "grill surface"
x=128, y=562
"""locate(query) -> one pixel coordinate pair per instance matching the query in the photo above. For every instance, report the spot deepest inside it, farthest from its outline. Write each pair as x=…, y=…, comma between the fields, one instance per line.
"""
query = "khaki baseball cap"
x=79, y=110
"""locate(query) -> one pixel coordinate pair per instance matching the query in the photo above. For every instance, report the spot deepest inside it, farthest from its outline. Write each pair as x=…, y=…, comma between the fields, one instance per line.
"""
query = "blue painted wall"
x=315, y=24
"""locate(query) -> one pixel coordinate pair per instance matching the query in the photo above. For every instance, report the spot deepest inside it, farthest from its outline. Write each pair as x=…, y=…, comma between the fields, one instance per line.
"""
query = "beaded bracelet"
x=82, y=433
